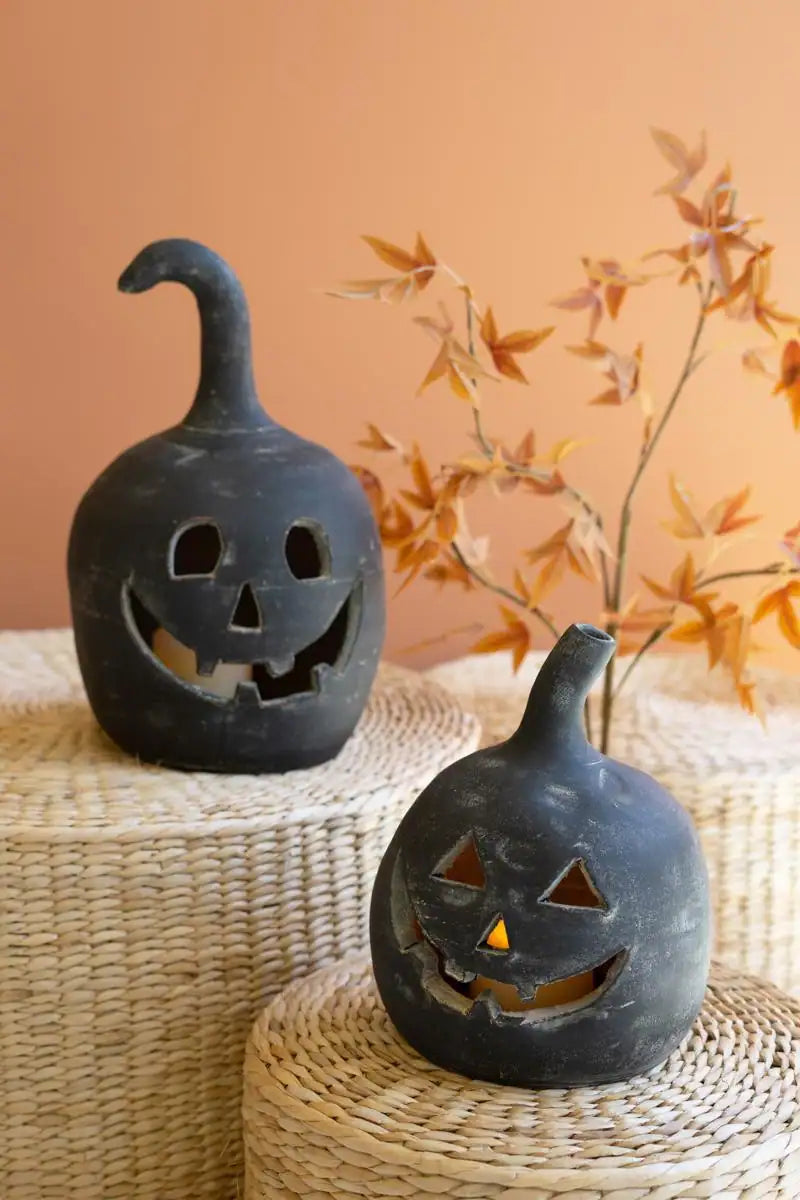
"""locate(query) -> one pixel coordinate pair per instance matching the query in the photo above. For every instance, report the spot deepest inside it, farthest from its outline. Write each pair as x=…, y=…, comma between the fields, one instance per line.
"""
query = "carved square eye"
x=195, y=550
x=307, y=552
x=574, y=888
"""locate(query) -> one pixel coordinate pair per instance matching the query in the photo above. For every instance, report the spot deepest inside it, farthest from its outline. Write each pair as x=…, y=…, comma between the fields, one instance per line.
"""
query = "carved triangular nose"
x=246, y=614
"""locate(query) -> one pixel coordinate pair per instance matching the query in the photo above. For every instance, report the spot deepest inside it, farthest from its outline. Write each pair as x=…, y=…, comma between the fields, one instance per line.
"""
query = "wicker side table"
x=147, y=915
x=337, y=1105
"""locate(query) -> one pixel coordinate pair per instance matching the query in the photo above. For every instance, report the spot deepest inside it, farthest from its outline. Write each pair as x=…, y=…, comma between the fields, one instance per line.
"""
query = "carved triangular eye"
x=575, y=888
x=496, y=936
x=462, y=864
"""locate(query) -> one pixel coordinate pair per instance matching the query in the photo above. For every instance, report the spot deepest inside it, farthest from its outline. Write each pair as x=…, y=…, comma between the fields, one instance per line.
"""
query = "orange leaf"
x=788, y=624
x=522, y=341
x=516, y=637
x=615, y=294
x=723, y=518
x=526, y=450
x=681, y=254
x=502, y=349
x=789, y=381
x=380, y=441
x=611, y=396
x=422, y=478
x=790, y=543
x=450, y=570
x=688, y=211
x=688, y=524
x=387, y=252
x=579, y=562
x=767, y=604
x=459, y=385
x=548, y=578
x=521, y=587
x=397, y=526
x=552, y=545
x=682, y=585
x=775, y=600
x=685, y=579
x=373, y=489
x=413, y=559
x=752, y=362
x=748, y=697
x=583, y=297
x=691, y=274
x=547, y=487
x=687, y=163
x=489, y=328
x=589, y=349
x=559, y=450
x=422, y=252
x=710, y=628
x=507, y=366
x=437, y=369
x=446, y=524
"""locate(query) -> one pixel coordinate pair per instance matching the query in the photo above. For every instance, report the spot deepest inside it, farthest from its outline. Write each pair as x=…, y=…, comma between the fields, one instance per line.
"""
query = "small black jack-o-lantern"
x=225, y=575
x=541, y=917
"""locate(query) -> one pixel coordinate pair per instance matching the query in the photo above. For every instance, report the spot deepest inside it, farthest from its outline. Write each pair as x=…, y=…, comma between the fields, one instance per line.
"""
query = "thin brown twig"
x=625, y=517
x=654, y=636
x=777, y=568
x=505, y=592
x=520, y=470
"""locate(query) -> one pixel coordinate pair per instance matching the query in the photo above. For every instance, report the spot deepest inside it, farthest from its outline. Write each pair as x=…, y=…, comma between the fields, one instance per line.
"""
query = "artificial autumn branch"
x=424, y=523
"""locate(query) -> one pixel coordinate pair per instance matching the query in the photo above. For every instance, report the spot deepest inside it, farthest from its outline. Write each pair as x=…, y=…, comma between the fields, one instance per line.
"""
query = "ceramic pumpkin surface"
x=225, y=575
x=541, y=917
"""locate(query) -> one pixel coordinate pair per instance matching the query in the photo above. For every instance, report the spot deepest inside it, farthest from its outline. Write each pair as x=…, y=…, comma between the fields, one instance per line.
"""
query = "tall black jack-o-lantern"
x=225, y=575
x=541, y=917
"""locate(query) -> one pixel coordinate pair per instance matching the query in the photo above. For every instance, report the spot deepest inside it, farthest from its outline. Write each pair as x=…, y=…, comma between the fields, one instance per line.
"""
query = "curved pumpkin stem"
x=554, y=712
x=226, y=399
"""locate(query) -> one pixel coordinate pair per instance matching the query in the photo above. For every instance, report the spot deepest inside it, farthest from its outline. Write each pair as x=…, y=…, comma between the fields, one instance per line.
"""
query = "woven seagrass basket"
x=146, y=916
x=336, y=1105
x=739, y=781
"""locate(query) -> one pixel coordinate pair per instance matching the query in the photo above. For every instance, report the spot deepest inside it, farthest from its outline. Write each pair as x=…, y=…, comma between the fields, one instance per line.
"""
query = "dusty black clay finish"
x=541, y=863
x=225, y=540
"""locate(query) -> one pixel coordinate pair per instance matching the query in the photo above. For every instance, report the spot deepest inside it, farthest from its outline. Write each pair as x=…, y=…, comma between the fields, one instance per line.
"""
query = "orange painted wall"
x=513, y=132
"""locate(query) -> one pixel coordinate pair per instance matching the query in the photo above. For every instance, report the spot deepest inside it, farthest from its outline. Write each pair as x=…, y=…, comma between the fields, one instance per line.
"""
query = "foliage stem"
x=488, y=450
x=505, y=592
x=776, y=568
x=627, y=506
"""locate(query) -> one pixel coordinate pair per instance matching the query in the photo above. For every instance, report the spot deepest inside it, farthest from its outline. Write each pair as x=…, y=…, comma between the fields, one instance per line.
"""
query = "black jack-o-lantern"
x=225, y=575
x=541, y=917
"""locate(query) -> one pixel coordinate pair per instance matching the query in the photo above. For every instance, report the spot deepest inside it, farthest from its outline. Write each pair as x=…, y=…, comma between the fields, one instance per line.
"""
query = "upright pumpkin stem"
x=554, y=714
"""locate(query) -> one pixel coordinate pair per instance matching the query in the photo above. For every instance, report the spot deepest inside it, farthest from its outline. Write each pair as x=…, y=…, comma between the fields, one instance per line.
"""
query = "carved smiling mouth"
x=547, y=1000
x=465, y=990
x=264, y=681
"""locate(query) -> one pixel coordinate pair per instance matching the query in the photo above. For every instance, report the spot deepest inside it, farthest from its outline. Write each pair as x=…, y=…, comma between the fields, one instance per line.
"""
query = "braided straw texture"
x=739, y=781
x=337, y=1105
x=147, y=916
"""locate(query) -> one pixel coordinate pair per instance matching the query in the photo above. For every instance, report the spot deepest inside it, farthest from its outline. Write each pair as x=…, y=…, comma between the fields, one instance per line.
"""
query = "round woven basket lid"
x=58, y=770
x=147, y=915
x=336, y=1104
